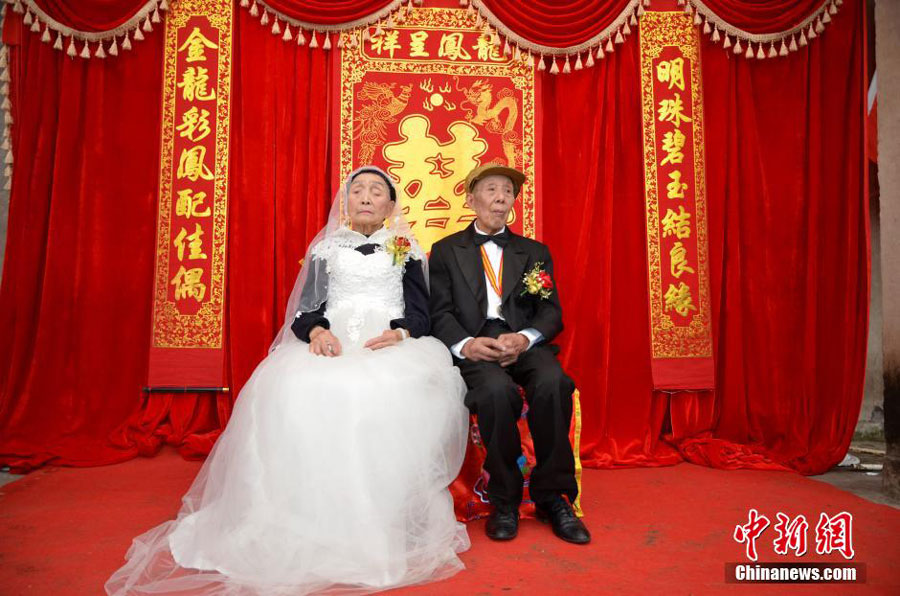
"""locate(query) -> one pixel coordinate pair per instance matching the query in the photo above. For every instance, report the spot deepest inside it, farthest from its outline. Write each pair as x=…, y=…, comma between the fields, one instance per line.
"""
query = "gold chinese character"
x=672, y=72
x=196, y=46
x=673, y=143
x=195, y=244
x=417, y=44
x=194, y=124
x=386, y=42
x=194, y=82
x=677, y=223
x=672, y=110
x=675, y=189
x=191, y=165
x=187, y=205
x=187, y=284
x=679, y=299
x=486, y=49
x=451, y=47
x=678, y=260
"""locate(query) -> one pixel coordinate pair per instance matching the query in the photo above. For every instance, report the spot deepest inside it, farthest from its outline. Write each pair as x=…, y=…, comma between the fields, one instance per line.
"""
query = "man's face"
x=492, y=198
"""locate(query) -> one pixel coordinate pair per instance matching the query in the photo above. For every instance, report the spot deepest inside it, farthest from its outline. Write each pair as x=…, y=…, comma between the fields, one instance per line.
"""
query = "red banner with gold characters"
x=675, y=187
x=429, y=100
x=187, y=348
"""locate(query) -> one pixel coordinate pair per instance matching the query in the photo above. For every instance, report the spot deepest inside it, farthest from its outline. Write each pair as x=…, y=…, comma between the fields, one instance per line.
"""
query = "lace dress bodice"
x=365, y=292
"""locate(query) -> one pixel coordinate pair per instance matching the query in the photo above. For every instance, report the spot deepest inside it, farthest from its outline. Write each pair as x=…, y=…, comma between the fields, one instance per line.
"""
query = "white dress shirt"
x=494, y=253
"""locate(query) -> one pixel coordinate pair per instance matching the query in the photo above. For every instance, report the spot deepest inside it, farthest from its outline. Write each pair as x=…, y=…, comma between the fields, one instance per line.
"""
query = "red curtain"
x=91, y=15
x=789, y=235
x=327, y=12
x=103, y=15
x=764, y=16
x=78, y=270
x=557, y=24
x=78, y=275
x=788, y=248
x=593, y=210
x=789, y=242
x=280, y=182
x=278, y=199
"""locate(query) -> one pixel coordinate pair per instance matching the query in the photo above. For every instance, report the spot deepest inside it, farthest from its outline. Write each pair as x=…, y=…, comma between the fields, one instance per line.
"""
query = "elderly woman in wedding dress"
x=332, y=473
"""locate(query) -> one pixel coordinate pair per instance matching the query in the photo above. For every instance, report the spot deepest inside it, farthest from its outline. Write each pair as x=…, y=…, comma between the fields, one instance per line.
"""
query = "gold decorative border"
x=354, y=65
x=657, y=31
x=204, y=329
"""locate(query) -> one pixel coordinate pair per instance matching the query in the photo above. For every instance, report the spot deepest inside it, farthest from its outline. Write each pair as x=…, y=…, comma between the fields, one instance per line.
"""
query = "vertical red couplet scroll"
x=187, y=345
x=675, y=187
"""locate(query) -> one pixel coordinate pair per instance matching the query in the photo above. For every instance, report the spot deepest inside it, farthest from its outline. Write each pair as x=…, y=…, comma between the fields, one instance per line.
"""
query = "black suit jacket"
x=458, y=301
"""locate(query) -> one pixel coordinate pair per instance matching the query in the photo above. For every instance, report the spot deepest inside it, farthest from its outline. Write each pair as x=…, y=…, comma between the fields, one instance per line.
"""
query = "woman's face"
x=369, y=201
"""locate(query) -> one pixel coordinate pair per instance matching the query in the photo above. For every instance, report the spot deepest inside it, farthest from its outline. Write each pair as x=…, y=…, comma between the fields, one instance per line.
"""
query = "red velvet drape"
x=77, y=276
x=327, y=12
x=788, y=227
x=593, y=210
x=279, y=198
x=90, y=15
x=789, y=238
x=788, y=249
x=763, y=16
x=560, y=23
x=76, y=297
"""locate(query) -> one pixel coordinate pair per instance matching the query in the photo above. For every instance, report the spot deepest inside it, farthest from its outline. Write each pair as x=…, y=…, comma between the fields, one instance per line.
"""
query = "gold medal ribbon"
x=496, y=279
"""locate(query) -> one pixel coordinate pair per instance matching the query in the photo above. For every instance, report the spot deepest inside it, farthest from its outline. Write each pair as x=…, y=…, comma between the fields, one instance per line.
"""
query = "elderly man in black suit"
x=494, y=304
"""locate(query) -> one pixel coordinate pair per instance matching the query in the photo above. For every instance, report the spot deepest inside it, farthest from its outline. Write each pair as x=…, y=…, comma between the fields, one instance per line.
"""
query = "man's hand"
x=323, y=342
x=483, y=349
x=388, y=338
x=514, y=344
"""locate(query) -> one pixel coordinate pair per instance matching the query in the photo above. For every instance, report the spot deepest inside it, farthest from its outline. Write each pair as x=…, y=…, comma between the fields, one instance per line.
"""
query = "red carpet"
x=656, y=530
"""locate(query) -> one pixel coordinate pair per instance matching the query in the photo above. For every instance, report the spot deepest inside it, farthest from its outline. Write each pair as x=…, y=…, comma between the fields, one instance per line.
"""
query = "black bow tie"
x=502, y=239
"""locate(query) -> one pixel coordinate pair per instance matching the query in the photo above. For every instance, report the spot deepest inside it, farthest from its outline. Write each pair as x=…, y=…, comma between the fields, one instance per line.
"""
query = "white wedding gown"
x=332, y=473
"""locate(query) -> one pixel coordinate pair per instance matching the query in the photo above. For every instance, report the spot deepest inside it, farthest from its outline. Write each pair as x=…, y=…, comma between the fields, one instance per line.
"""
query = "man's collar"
x=478, y=230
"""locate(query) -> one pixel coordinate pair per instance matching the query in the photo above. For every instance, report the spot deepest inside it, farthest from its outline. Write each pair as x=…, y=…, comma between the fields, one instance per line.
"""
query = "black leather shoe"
x=502, y=524
x=565, y=525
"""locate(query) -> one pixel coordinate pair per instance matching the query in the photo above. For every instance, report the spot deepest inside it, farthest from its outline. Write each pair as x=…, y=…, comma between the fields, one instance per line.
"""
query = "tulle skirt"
x=331, y=475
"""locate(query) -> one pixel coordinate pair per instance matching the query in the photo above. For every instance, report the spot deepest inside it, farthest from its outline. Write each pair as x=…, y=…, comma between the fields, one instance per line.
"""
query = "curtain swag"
x=385, y=15
x=87, y=44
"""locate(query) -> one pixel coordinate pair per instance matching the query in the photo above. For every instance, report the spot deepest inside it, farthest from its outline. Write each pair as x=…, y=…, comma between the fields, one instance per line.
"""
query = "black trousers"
x=495, y=400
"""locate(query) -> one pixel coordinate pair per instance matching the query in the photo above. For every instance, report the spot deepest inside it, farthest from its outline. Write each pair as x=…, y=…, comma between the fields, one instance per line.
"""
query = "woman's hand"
x=388, y=338
x=323, y=342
